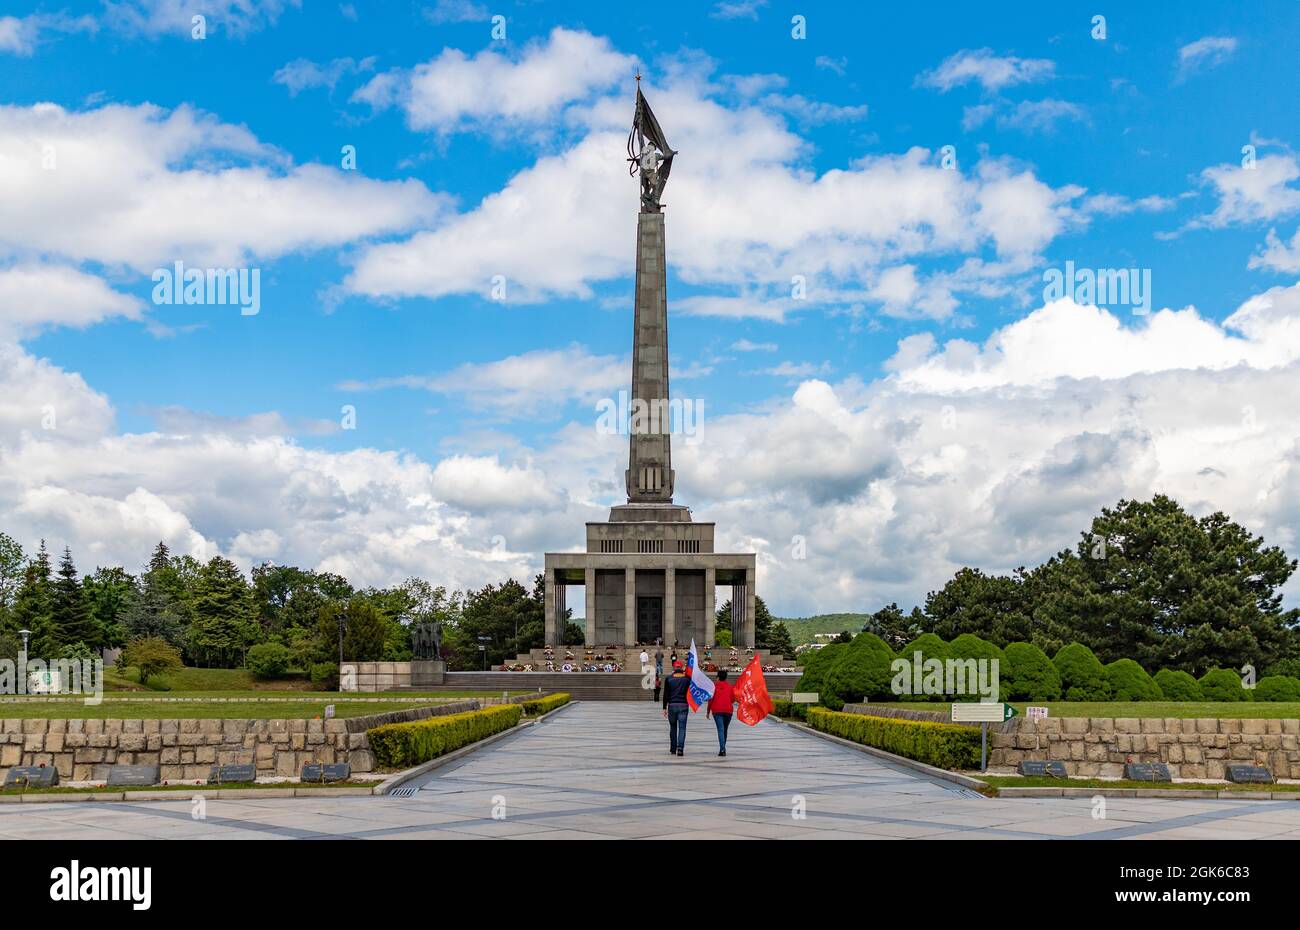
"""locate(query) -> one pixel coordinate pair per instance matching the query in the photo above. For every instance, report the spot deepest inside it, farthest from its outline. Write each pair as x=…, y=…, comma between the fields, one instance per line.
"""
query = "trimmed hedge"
x=816, y=668
x=402, y=745
x=1130, y=682
x=944, y=745
x=861, y=672
x=1082, y=676
x=1177, y=685
x=1030, y=674
x=787, y=709
x=544, y=705
x=1223, y=684
x=1277, y=688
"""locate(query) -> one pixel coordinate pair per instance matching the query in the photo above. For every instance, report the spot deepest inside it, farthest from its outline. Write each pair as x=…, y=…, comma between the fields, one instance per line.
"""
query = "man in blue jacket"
x=676, y=709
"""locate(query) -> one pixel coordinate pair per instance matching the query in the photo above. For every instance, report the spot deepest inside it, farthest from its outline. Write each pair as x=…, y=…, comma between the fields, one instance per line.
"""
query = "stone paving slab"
x=601, y=770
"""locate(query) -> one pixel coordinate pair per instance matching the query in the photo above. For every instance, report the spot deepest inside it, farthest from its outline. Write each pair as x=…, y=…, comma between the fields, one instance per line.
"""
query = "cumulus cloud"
x=35, y=296
x=1277, y=255
x=1264, y=191
x=154, y=18
x=302, y=74
x=1203, y=54
x=20, y=35
x=990, y=71
x=140, y=186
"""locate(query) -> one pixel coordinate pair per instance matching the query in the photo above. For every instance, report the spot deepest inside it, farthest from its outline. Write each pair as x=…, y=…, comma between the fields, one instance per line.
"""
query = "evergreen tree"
x=222, y=625
x=34, y=607
x=893, y=626
x=70, y=609
x=109, y=592
x=12, y=566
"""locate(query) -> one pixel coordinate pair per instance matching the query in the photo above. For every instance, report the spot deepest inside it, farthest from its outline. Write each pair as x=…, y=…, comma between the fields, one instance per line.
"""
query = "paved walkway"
x=602, y=770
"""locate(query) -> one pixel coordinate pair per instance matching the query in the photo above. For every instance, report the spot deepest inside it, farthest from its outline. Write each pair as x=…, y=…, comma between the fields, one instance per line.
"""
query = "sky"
x=881, y=229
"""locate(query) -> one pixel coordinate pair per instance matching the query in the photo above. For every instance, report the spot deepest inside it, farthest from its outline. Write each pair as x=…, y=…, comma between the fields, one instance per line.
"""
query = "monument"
x=650, y=572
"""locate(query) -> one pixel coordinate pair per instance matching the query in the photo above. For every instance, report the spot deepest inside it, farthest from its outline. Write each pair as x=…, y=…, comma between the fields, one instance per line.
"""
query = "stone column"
x=749, y=605
x=670, y=604
x=629, y=601
x=552, y=609
x=589, y=595
x=710, y=608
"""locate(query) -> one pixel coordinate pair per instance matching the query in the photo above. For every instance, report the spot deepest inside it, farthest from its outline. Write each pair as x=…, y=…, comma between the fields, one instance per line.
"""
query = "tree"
x=12, y=565
x=816, y=667
x=1223, y=684
x=893, y=626
x=1178, y=685
x=365, y=630
x=108, y=592
x=970, y=646
x=1150, y=582
x=222, y=627
x=991, y=607
x=1082, y=676
x=778, y=640
x=861, y=670
x=511, y=619
x=34, y=606
x=1030, y=674
x=70, y=610
x=1130, y=682
x=151, y=656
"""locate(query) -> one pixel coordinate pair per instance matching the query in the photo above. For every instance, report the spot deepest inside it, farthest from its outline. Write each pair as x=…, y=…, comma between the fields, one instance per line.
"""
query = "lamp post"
x=25, y=635
x=340, y=619
x=22, y=663
x=482, y=647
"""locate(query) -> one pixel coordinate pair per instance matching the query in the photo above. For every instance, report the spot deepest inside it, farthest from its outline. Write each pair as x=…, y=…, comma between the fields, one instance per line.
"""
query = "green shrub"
x=941, y=744
x=930, y=647
x=268, y=660
x=1288, y=667
x=970, y=646
x=1277, y=688
x=324, y=676
x=787, y=710
x=1177, y=685
x=861, y=671
x=1030, y=674
x=402, y=745
x=1223, y=684
x=545, y=705
x=1130, y=682
x=151, y=655
x=1082, y=677
x=816, y=667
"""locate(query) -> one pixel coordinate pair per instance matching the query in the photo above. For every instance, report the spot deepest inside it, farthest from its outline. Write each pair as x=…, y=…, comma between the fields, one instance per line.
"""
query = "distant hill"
x=802, y=629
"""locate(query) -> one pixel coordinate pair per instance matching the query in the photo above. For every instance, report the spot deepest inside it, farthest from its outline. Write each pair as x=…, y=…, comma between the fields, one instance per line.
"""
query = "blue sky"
x=921, y=409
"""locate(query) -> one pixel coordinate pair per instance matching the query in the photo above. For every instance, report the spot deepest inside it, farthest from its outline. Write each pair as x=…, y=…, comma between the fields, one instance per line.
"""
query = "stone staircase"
x=629, y=658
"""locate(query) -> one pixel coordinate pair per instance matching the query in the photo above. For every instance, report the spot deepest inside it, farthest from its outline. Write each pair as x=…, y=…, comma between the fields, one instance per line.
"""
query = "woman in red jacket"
x=724, y=698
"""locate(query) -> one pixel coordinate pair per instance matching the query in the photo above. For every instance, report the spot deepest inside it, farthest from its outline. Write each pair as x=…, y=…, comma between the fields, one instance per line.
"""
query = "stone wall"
x=389, y=676
x=185, y=750
x=897, y=712
x=1192, y=748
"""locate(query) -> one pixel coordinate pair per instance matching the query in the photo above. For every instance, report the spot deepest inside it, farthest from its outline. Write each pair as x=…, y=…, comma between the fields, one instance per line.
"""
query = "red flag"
x=751, y=692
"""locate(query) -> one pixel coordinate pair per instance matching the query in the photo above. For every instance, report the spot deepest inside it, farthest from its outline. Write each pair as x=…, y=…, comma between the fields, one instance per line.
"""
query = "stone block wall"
x=1192, y=748
x=185, y=750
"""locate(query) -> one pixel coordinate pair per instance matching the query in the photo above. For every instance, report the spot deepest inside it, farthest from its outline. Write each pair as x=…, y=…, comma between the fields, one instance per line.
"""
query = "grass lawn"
x=1016, y=781
x=200, y=679
x=191, y=710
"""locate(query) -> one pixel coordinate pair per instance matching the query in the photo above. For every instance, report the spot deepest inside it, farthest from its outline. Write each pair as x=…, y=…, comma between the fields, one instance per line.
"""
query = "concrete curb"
x=227, y=794
x=964, y=781
x=1185, y=793
x=396, y=781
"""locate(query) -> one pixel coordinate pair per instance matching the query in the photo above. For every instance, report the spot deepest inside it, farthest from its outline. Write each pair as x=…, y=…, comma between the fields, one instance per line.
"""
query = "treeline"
x=214, y=615
x=1147, y=581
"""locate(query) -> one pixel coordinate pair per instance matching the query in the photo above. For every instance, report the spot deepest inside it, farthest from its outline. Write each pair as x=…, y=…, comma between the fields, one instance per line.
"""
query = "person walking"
x=645, y=661
x=659, y=659
x=676, y=708
x=720, y=706
x=659, y=683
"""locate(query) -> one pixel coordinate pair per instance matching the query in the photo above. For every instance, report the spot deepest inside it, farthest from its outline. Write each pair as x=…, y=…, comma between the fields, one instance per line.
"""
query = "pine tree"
x=223, y=623
x=70, y=609
x=33, y=607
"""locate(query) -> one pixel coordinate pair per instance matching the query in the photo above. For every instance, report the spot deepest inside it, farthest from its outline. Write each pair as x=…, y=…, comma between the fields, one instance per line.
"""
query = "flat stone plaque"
x=331, y=771
x=1147, y=771
x=1040, y=769
x=232, y=774
x=122, y=776
x=1250, y=774
x=32, y=776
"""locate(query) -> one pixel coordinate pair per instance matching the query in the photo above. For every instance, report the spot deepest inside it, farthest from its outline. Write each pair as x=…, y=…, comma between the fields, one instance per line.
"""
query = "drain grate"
x=403, y=792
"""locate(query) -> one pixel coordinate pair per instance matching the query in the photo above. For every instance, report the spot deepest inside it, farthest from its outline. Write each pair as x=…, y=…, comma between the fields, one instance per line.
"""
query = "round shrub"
x=1082, y=676
x=1287, y=667
x=1178, y=686
x=930, y=647
x=1277, y=688
x=816, y=666
x=1130, y=682
x=268, y=660
x=1030, y=674
x=324, y=676
x=970, y=646
x=861, y=670
x=1223, y=684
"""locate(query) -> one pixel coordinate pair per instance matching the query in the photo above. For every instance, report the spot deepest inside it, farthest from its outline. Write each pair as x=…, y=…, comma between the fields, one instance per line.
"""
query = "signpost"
x=983, y=714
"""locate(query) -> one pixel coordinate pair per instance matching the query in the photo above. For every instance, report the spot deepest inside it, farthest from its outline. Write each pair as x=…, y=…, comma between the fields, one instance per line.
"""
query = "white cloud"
x=1119, y=205
x=1042, y=115
x=302, y=74
x=1277, y=255
x=154, y=18
x=34, y=296
x=20, y=35
x=454, y=91
x=992, y=72
x=737, y=9
x=455, y=11
x=1252, y=194
x=1205, y=53
x=143, y=187
x=744, y=345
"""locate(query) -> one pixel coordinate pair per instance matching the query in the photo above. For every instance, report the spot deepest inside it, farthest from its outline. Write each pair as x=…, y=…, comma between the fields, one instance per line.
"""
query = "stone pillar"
x=710, y=607
x=550, y=624
x=629, y=600
x=749, y=605
x=670, y=604
x=589, y=579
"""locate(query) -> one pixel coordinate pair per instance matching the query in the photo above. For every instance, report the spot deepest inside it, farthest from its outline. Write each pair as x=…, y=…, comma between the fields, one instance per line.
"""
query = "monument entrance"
x=650, y=572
